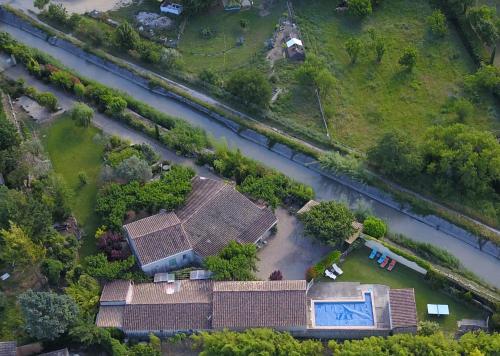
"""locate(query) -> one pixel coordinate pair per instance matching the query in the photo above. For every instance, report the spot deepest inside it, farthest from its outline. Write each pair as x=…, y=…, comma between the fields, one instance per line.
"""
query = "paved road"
x=480, y=263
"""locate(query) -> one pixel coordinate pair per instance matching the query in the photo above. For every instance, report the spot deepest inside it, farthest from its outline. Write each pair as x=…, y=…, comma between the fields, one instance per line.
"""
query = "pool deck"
x=351, y=291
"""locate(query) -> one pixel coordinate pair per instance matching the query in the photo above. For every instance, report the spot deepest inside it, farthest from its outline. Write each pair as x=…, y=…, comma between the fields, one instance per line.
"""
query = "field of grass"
x=221, y=52
x=72, y=149
x=372, y=98
x=359, y=268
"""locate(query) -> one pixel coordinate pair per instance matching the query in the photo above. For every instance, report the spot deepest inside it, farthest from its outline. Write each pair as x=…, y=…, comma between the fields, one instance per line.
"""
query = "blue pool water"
x=344, y=313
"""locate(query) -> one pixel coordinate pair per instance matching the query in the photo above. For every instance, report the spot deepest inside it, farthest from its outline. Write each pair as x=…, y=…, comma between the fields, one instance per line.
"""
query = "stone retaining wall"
x=305, y=160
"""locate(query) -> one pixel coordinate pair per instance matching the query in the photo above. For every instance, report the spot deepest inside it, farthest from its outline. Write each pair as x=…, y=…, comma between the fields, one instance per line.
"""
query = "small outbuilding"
x=295, y=49
x=169, y=7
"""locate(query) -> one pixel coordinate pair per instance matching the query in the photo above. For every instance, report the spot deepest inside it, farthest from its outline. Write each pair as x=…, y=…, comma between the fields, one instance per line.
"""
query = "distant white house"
x=294, y=42
x=169, y=7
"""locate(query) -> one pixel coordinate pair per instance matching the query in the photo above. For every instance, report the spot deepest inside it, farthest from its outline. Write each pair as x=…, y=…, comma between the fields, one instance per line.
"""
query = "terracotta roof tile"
x=110, y=316
x=403, y=307
x=181, y=316
x=161, y=244
x=151, y=224
x=214, y=214
x=259, y=304
x=183, y=291
x=115, y=291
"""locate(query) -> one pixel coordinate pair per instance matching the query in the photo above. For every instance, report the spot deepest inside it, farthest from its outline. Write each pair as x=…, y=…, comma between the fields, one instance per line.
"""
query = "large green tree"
x=251, y=86
x=486, y=24
x=329, y=222
x=236, y=262
x=460, y=157
x=46, y=314
x=396, y=155
x=126, y=37
x=17, y=249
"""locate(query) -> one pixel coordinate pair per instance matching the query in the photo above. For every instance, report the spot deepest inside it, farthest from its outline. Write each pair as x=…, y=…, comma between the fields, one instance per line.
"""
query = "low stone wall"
x=305, y=160
x=340, y=334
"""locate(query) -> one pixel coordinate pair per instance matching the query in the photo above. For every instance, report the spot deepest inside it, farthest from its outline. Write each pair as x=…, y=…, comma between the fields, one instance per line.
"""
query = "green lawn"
x=358, y=267
x=72, y=149
x=199, y=53
x=373, y=98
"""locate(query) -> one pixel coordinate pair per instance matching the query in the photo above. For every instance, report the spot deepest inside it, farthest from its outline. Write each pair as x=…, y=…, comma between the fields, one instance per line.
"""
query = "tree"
x=360, y=8
x=437, y=23
x=254, y=342
x=8, y=134
x=57, y=13
x=85, y=293
x=40, y=4
x=114, y=105
x=144, y=349
x=47, y=315
x=397, y=156
x=244, y=23
x=48, y=100
x=483, y=20
x=79, y=90
x=52, y=269
x=380, y=48
x=251, y=86
x=329, y=222
x=126, y=37
x=459, y=157
x=314, y=72
x=18, y=250
x=374, y=227
x=465, y=4
x=353, y=47
x=82, y=114
x=408, y=58
x=134, y=168
x=236, y=262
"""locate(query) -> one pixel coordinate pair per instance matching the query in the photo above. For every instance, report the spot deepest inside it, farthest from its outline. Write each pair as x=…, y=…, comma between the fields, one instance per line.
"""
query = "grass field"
x=358, y=267
x=72, y=149
x=372, y=98
x=221, y=53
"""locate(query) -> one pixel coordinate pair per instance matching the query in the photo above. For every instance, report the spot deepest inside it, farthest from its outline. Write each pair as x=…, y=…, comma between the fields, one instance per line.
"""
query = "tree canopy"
x=330, y=222
x=18, y=249
x=236, y=262
x=47, y=315
x=251, y=86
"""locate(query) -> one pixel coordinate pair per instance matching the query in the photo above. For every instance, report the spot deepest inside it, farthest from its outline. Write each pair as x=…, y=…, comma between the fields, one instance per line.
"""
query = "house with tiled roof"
x=214, y=214
x=341, y=310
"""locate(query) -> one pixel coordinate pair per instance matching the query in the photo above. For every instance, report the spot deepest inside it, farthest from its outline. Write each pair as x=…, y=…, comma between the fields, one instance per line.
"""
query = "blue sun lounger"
x=373, y=254
x=382, y=258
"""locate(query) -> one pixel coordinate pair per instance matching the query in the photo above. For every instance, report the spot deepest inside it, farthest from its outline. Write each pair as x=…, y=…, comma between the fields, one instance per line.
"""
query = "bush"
x=82, y=114
x=327, y=262
x=276, y=276
x=82, y=178
x=360, y=8
x=374, y=227
x=408, y=58
x=311, y=273
x=437, y=23
x=48, y=100
x=427, y=328
x=52, y=269
x=251, y=86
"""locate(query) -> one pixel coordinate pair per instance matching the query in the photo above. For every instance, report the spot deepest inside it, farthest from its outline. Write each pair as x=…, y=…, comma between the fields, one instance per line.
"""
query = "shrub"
x=82, y=114
x=327, y=262
x=311, y=273
x=437, y=23
x=353, y=46
x=408, y=58
x=52, y=270
x=374, y=227
x=82, y=178
x=48, y=100
x=360, y=8
x=427, y=328
x=276, y=276
x=251, y=86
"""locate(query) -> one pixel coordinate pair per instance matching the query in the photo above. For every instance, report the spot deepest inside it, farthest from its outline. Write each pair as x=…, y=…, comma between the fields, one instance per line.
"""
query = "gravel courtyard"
x=289, y=250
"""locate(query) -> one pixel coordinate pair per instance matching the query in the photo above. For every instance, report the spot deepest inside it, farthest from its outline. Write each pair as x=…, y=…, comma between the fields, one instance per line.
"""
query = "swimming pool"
x=345, y=313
